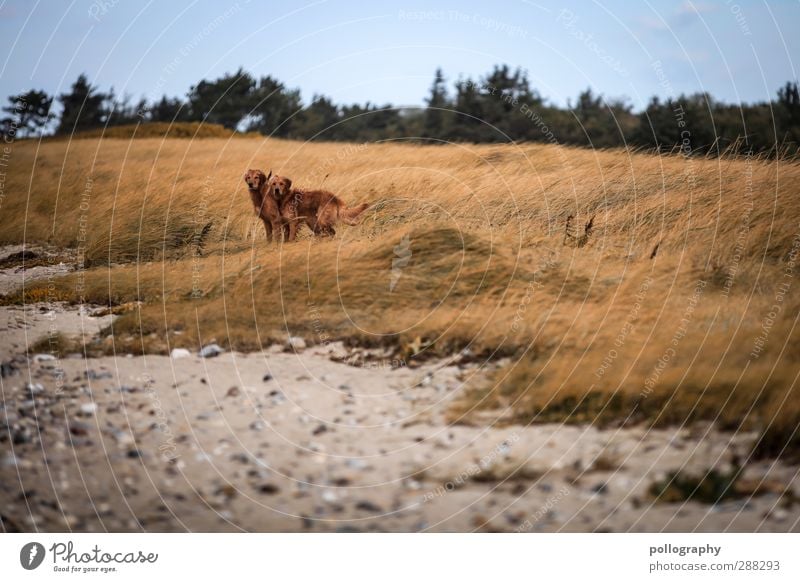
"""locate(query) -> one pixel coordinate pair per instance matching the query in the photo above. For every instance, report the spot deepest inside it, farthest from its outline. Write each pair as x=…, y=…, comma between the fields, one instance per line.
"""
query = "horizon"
x=385, y=55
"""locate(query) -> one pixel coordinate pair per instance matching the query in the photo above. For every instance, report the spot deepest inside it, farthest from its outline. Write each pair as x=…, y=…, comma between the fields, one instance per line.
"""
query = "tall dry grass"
x=680, y=304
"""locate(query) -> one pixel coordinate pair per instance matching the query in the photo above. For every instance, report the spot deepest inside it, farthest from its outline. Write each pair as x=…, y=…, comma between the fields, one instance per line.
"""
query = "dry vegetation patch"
x=625, y=287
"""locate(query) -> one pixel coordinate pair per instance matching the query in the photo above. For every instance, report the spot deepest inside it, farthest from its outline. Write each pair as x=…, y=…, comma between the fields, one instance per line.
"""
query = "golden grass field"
x=681, y=305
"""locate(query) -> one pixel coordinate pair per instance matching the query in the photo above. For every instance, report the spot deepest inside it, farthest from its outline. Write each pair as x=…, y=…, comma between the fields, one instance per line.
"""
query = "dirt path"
x=285, y=441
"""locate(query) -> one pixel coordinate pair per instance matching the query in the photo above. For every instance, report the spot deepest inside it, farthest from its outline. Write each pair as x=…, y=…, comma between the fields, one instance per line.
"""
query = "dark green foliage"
x=84, y=107
x=29, y=113
x=498, y=107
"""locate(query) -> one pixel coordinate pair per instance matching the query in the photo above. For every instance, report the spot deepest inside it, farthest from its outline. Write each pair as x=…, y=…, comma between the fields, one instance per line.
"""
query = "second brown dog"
x=319, y=209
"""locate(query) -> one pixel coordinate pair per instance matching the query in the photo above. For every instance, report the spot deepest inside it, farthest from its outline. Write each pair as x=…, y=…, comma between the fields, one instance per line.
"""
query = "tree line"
x=498, y=107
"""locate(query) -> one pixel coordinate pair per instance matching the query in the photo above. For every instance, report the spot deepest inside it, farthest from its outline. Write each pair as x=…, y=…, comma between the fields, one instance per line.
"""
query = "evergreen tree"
x=84, y=107
x=437, y=120
x=226, y=100
x=29, y=113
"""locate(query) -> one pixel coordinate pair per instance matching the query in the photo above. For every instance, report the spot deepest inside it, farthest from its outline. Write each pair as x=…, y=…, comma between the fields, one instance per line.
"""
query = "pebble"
x=78, y=428
x=9, y=461
x=34, y=388
x=123, y=437
x=296, y=343
x=7, y=369
x=356, y=464
x=178, y=353
x=267, y=377
x=88, y=409
x=21, y=436
x=268, y=489
x=779, y=515
x=368, y=506
x=257, y=425
x=210, y=351
x=43, y=358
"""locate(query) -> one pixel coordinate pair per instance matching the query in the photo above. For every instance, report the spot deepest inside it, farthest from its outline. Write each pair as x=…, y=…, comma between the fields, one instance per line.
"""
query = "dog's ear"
x=270, y=175
x=288, y=185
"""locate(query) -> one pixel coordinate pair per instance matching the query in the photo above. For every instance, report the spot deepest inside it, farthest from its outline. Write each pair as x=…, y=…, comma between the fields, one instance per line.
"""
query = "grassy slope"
x=488, y=268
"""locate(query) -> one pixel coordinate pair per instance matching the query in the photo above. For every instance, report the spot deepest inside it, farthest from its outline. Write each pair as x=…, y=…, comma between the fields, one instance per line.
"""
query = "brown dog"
x=319, y=209
x=265, y=204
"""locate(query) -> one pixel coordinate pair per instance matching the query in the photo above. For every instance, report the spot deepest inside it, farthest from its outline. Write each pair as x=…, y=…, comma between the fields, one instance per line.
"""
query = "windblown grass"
x=662, y=311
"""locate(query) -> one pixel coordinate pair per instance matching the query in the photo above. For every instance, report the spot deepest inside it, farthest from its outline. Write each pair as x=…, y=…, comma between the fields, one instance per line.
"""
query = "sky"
x=387, y=52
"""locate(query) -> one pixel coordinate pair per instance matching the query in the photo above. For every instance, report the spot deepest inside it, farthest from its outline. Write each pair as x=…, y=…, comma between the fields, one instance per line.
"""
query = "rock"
x=366, y=505
x=358, y=464
x=227, y=491
x=43, y=358
x=7, y=369
x=319, y=430
x=242, y=458
x=78, y=428
x=122, y=437
x=88, y=409
x=268, y=489
x=779, y=515
x=257, y=425
x=21, y=436
x=329, y=496
x=92, y=375
x=232, y=392
x=210, y=351
x=267, y=377
x=178, y=353
x=295, y=343
x=34, y=388
x=9, y=461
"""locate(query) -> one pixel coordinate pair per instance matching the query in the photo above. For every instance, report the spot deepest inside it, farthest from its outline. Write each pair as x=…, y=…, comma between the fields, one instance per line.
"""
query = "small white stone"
x=88, y=409
x=178, y=353
x=296, y=343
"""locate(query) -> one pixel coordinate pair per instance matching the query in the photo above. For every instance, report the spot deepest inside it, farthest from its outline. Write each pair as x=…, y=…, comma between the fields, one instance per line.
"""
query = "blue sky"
x=387, y=52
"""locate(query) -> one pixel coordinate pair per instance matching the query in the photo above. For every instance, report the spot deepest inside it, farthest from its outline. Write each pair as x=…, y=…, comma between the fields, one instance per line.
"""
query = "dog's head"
x=279, y=187
x=255, y=179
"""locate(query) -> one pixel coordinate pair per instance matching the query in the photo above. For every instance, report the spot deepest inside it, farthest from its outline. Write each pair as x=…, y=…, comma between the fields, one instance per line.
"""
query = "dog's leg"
x=292, y=231
x=275, y=227
x=268, y=229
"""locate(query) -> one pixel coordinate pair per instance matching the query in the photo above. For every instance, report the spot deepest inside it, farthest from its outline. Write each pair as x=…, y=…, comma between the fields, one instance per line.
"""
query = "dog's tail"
x=350, y=215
